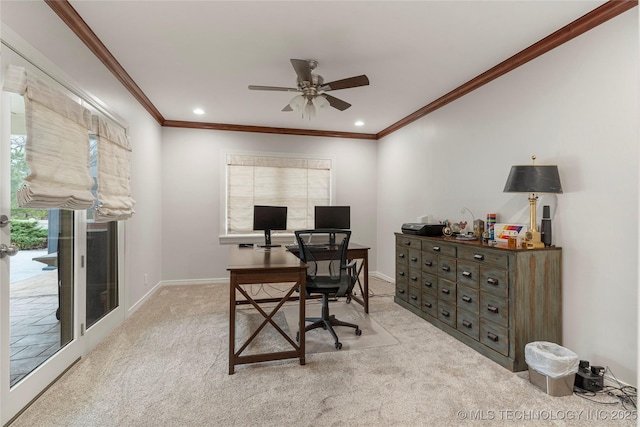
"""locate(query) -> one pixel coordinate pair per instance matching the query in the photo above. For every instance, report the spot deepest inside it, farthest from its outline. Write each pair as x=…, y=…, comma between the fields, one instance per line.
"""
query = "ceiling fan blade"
x=303, y=70
x=274, y=88
x=337, y=103
x=287, y=108
x=346, y=83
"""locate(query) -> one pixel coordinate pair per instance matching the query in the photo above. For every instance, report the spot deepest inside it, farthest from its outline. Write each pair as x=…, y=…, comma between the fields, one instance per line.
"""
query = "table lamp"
x=533, y=179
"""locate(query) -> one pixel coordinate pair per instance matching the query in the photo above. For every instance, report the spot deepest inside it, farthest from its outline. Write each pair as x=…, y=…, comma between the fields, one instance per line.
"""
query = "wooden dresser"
x=494, y=299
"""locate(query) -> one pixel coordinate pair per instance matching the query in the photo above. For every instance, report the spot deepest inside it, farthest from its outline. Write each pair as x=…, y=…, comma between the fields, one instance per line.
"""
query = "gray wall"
x=193, y=180
x=576, y=107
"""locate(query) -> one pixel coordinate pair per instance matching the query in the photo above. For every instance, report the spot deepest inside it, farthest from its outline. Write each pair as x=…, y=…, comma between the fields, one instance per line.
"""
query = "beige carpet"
x=320, y=341
x=167, y=366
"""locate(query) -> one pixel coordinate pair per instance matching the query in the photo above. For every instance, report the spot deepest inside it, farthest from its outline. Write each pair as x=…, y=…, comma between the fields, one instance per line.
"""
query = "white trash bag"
x=551, y=359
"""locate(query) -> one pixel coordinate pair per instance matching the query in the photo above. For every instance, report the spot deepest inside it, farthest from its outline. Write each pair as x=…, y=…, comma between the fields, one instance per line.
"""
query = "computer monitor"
x=269, y=218
x=332, y=217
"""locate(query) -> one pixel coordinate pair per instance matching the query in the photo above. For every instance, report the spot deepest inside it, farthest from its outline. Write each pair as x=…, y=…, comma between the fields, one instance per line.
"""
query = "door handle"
x=4, y=220
x=7, y=250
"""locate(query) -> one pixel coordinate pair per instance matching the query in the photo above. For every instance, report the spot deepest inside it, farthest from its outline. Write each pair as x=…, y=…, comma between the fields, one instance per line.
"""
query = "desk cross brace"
x=268, y=319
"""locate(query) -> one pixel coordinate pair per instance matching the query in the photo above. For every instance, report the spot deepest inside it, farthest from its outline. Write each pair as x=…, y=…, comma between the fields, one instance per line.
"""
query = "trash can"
x=552, y=368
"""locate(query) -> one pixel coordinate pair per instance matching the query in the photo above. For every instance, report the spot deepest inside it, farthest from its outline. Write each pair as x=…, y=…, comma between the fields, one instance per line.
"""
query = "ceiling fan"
x=313, y=88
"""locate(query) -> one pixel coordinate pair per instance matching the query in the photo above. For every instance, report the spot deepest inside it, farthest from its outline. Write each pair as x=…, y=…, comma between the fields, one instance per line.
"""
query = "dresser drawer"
x=415, y=296
x=468, y=323
x=415, y=277
x=415, y=258
x=494, y=336
x=429, y=262
x=494, y=308
x=440, y=249
x=494, y=281
x=408, y=242
x=429, y=284
x=402, y=290
x=447, y=313
x=402, y=273
x=467, y=299
x=447, y=268
x=402, y=255
x=447, y=291
x=430, y=304
x=468, y=273
x=484, y=256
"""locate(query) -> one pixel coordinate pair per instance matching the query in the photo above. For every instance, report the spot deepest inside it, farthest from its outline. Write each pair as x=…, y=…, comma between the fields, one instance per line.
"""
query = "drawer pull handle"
x=492, y=336
x=466, y=298
x=428, y=284
x=445, y=313
x=428, y=304
x=492, y=308
x=401, y=291
x=445, y=291
x=446, y=268
x=401, y=273
x=436, y=248
x=466, y=273
x=478, y=257
x=466, y=324
x=401, y=256
x=408, y=243
x=414, y=278
x=492, y=281
x=414, y=259
x=413, y=297
x=428, y=263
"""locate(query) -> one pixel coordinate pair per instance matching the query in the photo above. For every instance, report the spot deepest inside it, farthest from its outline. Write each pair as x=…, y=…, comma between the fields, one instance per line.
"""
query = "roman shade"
x=57, y=151
x=300, y=184
x=114, y=158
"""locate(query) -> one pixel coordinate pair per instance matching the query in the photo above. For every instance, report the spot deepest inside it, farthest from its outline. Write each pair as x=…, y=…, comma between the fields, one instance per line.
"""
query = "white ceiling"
x=187, y=54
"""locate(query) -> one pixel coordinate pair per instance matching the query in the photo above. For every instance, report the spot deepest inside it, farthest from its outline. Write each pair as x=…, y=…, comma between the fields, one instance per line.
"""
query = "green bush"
x=28, y=235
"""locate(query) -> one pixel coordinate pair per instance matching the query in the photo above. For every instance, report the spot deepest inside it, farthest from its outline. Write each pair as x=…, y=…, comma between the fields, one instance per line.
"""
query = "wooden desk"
x=355, y=251
x=262, y=265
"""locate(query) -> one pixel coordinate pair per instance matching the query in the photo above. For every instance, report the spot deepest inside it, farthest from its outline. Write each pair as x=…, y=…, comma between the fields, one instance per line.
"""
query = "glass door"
x=40, y=261
x=103, y=300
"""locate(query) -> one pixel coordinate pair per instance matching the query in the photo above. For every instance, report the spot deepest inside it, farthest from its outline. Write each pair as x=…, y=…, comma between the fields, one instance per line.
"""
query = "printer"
x=422, y=229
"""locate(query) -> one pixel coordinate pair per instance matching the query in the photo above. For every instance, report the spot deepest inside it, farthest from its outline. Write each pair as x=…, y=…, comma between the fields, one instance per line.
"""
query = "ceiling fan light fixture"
x=297, y=103
x=320, y=102
x=309, y=110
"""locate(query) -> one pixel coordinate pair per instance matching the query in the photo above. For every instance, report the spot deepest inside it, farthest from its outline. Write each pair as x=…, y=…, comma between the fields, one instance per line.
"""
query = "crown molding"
x=266, y=129
x=581, y=25
x=74, y=21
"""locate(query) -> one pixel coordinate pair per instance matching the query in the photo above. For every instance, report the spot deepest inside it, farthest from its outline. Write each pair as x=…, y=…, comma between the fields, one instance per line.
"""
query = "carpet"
x=321, y=341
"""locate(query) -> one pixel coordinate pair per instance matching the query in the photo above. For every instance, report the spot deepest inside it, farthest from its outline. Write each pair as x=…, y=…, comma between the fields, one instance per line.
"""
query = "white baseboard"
x=382, y=277
x=188, y=282
x=142, y=300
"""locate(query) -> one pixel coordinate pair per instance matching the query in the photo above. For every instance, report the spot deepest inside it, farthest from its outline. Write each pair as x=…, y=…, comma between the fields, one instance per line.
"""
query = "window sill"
x=235, y=239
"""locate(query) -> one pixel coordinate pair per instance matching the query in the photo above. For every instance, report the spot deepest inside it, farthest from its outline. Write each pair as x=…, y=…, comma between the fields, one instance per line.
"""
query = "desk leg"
x=366, y=282
x=302, y=284
x=232, y=322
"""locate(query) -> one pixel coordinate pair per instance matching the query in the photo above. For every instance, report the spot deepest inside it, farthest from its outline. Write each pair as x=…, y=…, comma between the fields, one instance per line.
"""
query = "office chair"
x=325, y=252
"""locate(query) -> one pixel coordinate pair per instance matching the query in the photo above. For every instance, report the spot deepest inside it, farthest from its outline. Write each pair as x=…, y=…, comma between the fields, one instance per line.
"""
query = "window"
x=300, y=184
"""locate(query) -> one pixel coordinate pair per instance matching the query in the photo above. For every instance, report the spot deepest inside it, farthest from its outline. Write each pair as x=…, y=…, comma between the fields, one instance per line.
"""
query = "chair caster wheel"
x=338, y=345
x=358, y=331
x=348, y=300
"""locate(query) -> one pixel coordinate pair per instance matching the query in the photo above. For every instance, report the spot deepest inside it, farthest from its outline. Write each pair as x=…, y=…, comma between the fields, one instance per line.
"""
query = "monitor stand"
x=267, y=240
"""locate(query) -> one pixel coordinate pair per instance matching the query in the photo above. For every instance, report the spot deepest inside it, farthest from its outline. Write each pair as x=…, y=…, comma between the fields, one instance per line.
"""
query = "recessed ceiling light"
x=359, y=123
x=198, y=111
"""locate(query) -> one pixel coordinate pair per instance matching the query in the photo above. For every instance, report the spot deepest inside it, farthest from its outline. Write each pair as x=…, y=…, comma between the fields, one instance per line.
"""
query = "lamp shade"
x=533, y=179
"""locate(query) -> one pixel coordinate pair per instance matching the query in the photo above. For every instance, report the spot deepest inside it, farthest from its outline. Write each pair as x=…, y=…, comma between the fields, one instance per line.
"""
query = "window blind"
x=114, y=159
x=299, y=184
x=57, y=149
